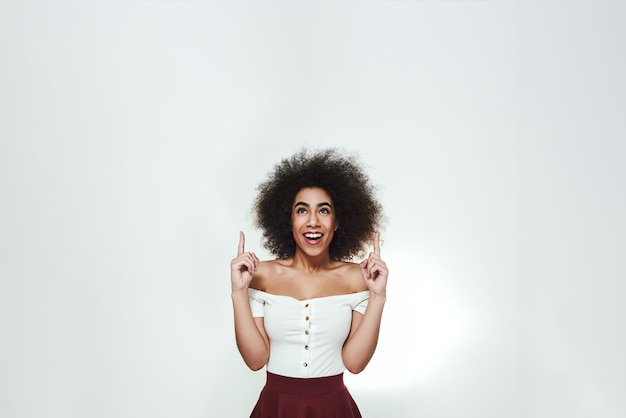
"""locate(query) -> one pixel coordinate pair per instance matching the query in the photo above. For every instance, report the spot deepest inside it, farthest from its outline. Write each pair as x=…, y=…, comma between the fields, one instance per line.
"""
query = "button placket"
x=306, y=352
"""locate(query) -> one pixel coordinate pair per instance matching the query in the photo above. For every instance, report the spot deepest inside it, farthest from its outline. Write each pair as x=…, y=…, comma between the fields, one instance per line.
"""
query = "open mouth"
x=313, y=236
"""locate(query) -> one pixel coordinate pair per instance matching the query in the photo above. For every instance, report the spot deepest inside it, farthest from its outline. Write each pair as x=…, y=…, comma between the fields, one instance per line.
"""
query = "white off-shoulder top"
x=306, y=336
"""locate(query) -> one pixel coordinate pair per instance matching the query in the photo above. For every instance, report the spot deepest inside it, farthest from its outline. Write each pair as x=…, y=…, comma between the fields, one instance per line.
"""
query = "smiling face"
x=313, y=220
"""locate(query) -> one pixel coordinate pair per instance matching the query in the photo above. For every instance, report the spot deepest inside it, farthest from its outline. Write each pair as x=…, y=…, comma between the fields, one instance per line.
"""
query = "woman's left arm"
x=361, y=343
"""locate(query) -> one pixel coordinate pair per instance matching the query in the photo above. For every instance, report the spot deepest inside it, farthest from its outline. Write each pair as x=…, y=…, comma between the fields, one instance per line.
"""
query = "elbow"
x=256, y=364
x=355, y=366
x=255, y=357
x=355, y=369
x=355, y=363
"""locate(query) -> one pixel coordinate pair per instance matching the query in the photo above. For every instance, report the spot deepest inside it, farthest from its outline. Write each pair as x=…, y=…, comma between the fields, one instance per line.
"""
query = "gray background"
x=133, y=135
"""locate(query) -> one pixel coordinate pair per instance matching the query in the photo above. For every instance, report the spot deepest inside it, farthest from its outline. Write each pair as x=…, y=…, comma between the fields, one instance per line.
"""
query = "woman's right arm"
x=252, y=340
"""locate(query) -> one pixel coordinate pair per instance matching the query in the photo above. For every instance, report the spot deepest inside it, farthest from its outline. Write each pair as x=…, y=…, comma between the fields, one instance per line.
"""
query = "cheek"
x=295, y=223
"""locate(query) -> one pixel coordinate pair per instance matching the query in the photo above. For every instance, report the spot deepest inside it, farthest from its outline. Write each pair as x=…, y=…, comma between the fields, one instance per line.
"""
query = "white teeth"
x=313, y=236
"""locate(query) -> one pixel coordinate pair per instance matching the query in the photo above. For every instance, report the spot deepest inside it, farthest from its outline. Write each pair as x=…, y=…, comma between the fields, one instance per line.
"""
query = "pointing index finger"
x=377, y=243
x=242, y=242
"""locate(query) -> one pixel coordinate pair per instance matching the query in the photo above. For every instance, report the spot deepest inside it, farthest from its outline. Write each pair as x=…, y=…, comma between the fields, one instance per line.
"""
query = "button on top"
x=306, y=306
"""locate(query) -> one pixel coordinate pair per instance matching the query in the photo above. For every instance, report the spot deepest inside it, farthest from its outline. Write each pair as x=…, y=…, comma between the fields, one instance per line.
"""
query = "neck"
x=312, y=264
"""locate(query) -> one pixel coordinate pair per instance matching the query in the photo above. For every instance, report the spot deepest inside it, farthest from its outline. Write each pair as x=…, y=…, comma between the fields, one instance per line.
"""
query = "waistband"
x=308, y=386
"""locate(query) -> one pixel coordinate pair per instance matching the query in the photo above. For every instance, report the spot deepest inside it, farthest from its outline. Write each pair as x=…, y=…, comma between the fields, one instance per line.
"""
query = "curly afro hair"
x=357, y=212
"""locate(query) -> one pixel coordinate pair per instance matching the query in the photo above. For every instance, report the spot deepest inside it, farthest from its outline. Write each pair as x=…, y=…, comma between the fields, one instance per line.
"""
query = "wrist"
x=377, y=297
x=239, y=292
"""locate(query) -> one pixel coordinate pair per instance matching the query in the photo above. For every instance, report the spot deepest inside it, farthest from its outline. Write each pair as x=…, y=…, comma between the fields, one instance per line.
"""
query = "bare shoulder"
x=266, y=272
x=350, y=274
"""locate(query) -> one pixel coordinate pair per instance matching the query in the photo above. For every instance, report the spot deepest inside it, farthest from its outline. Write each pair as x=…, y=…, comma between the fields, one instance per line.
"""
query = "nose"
x=312, y=219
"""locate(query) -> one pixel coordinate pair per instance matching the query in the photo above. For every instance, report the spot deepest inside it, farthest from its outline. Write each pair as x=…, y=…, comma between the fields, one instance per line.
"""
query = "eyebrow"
x=307, y=205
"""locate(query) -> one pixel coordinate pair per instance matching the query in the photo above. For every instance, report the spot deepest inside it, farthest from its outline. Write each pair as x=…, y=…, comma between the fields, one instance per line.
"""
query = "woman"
x=311, y=313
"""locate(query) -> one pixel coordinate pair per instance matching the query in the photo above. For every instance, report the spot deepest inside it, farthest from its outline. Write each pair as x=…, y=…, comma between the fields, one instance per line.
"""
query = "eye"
x=325, y=211
x=300, y=210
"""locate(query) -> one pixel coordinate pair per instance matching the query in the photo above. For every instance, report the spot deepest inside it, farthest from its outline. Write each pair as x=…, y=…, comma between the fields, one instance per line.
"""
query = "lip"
x=313, y=241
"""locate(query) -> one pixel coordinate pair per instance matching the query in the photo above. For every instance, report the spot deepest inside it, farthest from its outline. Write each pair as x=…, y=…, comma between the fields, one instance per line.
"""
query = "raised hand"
x=374, y=270
x=242, y=267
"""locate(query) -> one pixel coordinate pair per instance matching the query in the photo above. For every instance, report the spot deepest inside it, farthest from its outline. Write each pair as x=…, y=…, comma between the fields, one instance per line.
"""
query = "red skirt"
x=318, y=397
